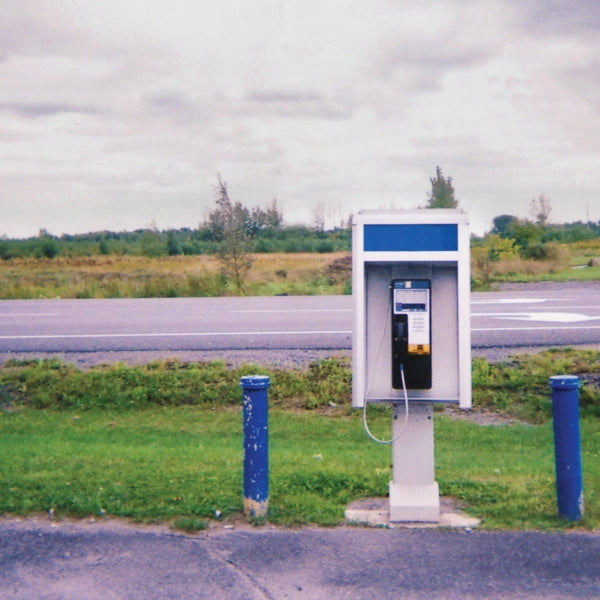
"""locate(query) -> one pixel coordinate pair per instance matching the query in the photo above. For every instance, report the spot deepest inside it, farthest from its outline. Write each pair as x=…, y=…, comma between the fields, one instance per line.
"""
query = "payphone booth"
x=411, y=339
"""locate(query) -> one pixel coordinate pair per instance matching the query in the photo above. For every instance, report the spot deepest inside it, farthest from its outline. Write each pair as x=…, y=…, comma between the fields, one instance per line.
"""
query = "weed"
x=520, y=387
x=190, y=524
x=517, y=388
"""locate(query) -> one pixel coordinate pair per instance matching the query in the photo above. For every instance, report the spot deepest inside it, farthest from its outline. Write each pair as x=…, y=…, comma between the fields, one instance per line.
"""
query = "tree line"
x=535, y=238
x=233, y=232
x=152, y=242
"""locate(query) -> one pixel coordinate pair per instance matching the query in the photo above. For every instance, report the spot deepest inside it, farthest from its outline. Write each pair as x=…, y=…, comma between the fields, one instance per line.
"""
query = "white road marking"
x=548, y=317
x=289, y=310
x=177, y=334
x=29, y=314
x=510, y=301
x=579, y=307
x=538, y=328
x=258, y=333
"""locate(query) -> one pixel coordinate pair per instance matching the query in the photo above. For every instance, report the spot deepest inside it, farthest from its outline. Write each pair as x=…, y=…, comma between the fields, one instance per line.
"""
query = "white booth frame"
x=426, y=259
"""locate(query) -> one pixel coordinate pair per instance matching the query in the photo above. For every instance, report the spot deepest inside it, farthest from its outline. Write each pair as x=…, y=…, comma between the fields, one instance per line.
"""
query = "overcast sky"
x=121, y=114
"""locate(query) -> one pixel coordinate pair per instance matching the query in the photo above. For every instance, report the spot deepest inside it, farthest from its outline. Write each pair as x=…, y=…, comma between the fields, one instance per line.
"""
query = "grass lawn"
x=505, y=473
x=184, y=464
x=160, y=464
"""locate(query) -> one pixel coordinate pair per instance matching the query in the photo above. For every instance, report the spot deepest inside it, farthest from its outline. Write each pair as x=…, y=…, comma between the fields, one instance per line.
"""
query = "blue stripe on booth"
x=411, y=237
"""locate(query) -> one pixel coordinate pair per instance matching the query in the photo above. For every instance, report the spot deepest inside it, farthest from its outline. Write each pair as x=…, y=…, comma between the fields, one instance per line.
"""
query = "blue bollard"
x=567, y=446
x=256, y=444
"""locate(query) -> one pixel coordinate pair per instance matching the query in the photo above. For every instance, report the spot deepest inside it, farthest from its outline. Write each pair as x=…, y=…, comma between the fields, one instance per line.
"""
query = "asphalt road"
x=65, y=561
x=567, y=315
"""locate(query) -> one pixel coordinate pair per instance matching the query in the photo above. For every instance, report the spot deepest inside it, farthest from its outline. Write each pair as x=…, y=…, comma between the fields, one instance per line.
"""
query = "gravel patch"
x=266, y=358
x=502, y=354
x=546, y=286
x=284, y=359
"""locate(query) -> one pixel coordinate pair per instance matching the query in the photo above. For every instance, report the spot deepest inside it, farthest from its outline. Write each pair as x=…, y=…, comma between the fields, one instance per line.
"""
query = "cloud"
x=557, y=17
x=35, y=110
x=137, y=106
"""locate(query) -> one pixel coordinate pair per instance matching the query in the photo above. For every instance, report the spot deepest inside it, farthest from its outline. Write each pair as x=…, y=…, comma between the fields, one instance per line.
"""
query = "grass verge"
x=145, y=444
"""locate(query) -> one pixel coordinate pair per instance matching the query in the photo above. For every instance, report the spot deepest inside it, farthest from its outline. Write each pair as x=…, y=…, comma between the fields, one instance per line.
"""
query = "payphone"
x=411, y=343
x=411, y=334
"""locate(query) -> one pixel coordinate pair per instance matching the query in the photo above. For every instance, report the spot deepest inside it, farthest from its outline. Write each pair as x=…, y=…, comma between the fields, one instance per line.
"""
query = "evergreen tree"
x=442, y=192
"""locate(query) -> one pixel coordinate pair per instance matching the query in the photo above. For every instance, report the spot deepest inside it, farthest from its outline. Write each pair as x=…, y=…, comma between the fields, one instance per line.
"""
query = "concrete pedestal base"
x=374, y=512
x=414, y=503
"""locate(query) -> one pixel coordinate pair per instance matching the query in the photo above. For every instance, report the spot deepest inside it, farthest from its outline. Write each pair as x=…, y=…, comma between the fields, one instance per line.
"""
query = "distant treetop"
x=442, y=191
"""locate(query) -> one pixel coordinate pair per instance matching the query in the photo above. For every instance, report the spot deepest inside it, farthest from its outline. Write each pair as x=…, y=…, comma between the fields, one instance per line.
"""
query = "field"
x=563, y=262
x=142, y=277
x=113, y=276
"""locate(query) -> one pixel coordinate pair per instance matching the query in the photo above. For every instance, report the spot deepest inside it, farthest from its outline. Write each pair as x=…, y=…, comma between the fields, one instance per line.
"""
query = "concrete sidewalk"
x=65, y=560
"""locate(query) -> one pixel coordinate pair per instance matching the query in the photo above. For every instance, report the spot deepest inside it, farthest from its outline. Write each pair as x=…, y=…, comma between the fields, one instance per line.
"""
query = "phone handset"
x=411, y=333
